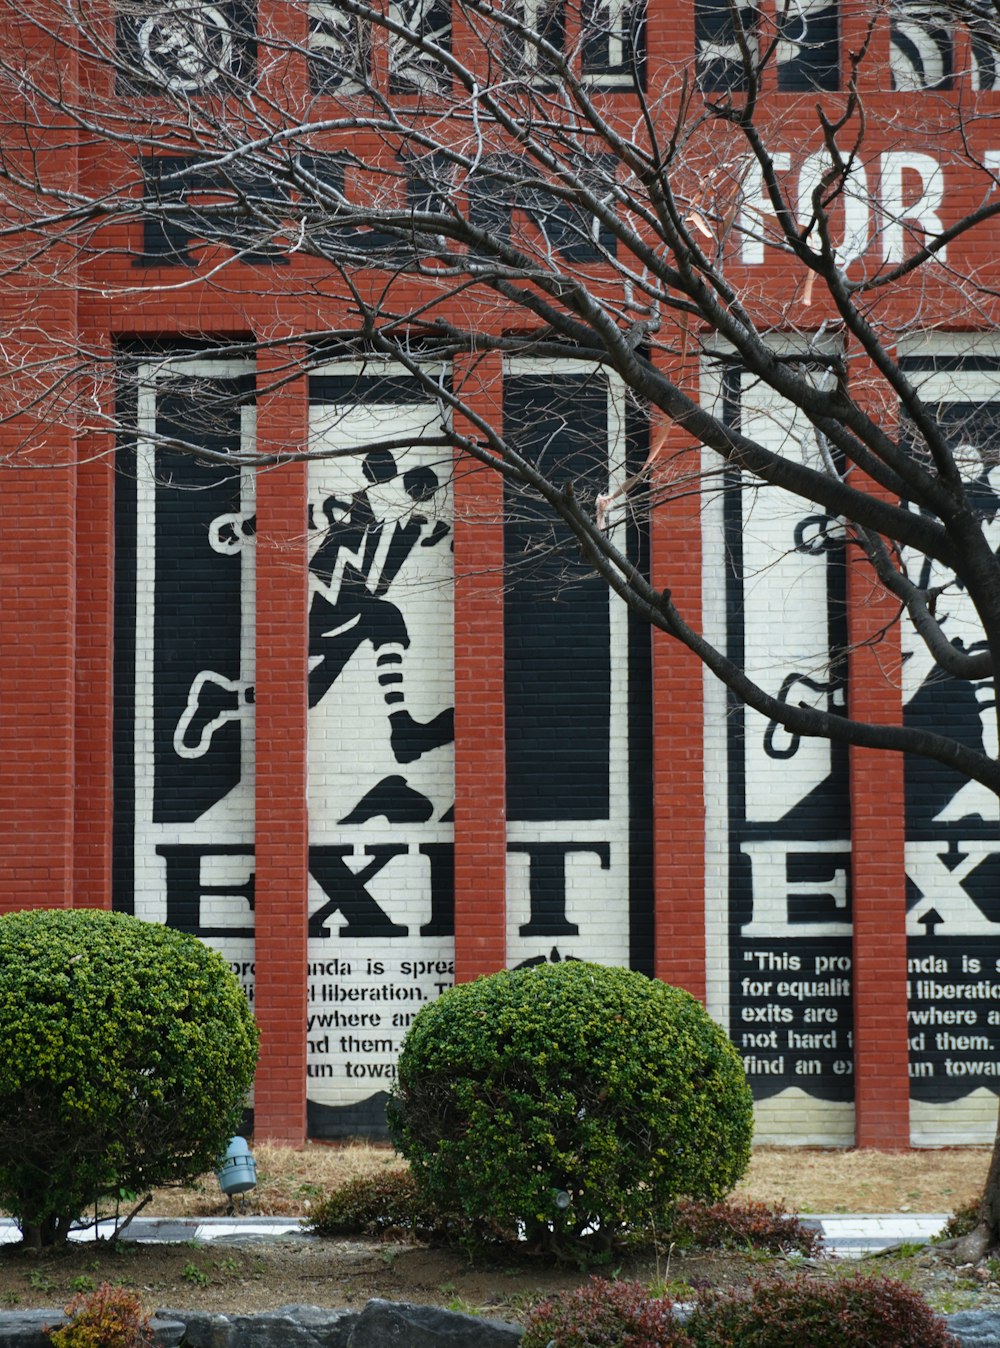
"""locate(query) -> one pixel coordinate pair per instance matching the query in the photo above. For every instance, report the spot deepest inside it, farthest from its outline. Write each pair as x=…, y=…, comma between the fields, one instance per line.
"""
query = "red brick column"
x=94, y=663
x=678, y=750
x=480, y=769
x=878, y=877
x=38, y=492
x=281, y=911
x=37, y=695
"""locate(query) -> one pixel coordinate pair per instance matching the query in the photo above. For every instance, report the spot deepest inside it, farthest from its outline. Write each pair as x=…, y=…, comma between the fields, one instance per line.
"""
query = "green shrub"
x=110, y=1317
x=604, y=1315
x=807, y=1312
x=572, y=1098
x=734, y=1226
x=377, y=1205
x=369, y=1205
x=128, y=1052
x=962, y=1222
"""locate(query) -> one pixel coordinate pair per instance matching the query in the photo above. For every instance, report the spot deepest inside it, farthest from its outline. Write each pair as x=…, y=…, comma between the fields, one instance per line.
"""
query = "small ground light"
x=237, y=1170
x=563, y=1200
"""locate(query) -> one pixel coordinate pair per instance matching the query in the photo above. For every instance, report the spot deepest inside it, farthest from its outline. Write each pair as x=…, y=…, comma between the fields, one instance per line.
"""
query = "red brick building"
x=325, y=714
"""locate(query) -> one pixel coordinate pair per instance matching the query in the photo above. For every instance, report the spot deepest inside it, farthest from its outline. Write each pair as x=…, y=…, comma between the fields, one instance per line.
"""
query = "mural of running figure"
x=365, y=539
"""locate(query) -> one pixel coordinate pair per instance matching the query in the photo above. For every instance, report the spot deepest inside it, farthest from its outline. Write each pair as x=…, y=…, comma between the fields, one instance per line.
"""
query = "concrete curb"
x=379, y=1324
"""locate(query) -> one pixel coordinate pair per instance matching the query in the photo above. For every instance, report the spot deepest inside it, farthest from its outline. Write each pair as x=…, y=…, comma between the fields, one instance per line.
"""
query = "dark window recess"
x=804, y=36
x=502, y=185
x=412, y=70
x=187, y=50
x=985, y=56
x=808, y=52
x=547, y=19
x=429, y=183
x=614, y=43
x=557, y=657
x=326, y=182
x=339, y=51
x=196, y=591
x=230, y=208
x=721, y=57
x=921, y=47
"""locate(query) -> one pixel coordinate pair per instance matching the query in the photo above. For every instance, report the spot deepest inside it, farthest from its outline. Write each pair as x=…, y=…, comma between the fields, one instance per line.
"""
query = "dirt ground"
x=244, y=1278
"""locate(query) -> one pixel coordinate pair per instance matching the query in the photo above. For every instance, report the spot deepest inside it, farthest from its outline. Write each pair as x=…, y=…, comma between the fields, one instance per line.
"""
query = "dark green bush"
x=809, y=1312
x=570, y=1084
x=377, y=1205
x=738, y=1225
x=128, y=1052
x=369, y=1205
x=605, y=1315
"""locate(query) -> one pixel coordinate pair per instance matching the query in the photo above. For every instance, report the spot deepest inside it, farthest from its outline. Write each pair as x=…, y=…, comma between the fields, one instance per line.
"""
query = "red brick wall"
x=281, y=911
x=56, y=579
x=38, y=578
x=480, y=828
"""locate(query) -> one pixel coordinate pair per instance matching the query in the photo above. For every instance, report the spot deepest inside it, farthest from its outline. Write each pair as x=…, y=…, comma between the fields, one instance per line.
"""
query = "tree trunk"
x=51, y=1233
x=985, y=1236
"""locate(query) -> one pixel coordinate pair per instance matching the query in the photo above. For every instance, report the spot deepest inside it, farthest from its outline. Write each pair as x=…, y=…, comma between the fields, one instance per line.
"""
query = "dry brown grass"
x=288, y=1180
x=805, y=1180
x=808, y=1180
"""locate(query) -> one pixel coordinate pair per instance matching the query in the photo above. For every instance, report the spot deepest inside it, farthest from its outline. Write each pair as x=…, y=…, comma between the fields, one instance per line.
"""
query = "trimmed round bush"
x=369, y=1205
x=809, y=1312
x=128, y=1053
x=577, y=1099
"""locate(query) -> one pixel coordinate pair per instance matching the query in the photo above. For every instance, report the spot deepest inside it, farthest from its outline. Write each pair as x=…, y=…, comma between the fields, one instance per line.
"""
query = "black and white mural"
x=186, y=47
x=577, y=690
x=953, y=824
x=806, y=56
x=411, y=70
x=614, y=43
x=922, y=47
x=778, y=820
x=340, y=49
x=920, y=51
x=184, y=658
x=381, y=735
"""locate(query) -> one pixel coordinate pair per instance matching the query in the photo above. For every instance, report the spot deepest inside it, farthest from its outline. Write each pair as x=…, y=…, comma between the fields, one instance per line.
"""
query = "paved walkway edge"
x=844, y=1234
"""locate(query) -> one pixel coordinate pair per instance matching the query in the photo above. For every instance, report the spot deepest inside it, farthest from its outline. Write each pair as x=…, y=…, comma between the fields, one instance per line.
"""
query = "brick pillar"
x=281, y=911
x=678, y=751
x=37, y=695
x=38, y=492
x=480, y=767
x=878, y=881
x=878, y=877
x=94, y=670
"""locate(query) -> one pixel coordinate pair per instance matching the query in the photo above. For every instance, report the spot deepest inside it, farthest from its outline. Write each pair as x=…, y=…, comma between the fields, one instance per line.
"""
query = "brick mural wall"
x=953, y=825
x=577, y=697
x=184, y=676
x=369, y=726
x=781, y=972
x=381, y=739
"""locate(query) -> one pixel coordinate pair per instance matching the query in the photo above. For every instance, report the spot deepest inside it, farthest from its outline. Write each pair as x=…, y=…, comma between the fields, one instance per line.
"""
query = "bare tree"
x=763, y=249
